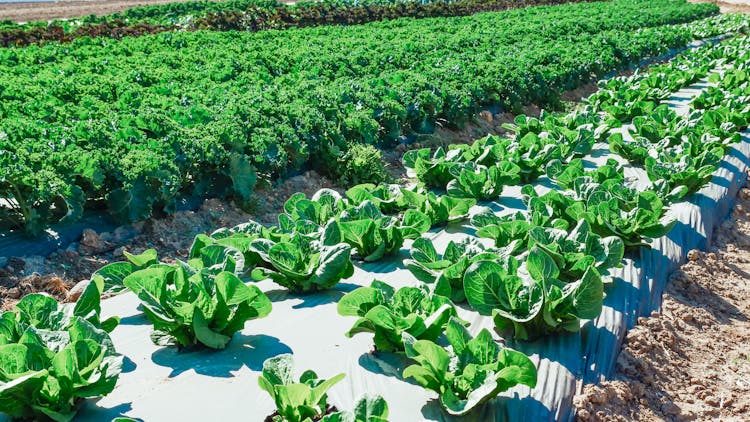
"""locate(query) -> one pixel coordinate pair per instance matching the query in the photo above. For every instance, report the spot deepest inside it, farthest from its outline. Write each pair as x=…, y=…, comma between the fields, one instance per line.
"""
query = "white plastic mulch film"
x=160, y=384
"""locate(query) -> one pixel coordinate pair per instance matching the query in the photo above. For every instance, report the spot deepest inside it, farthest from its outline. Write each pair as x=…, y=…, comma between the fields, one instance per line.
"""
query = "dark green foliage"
x=133, y=124
x=361, y=163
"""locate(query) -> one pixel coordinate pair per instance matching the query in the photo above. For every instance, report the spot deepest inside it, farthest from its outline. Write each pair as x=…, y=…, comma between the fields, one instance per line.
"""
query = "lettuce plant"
x=299, y=400
x=440, y=210
x=302, y=265
x=227, y=242
x=388, y=314
x=434, y=170
x=486, y=151
x=445, y=274
x=531, y=153
x=634, y=216
x=190, y=306
x=684, y=169
x=111, y=275
x=565, y=175
x=482, y=183
x=579, y=249
x=388, y=198
x=534, y=300
x=374, y=235
x=662, y=126
x=514, y=229
x=471, y=372
x=225, y=252
x=394, y=199
x=636, y=151
x=367, y=409
x=324, y=205
x=53, y=356
x=610, y=208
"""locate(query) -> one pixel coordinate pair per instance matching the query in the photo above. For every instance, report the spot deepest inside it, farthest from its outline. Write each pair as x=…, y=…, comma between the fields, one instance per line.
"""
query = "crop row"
x=132, y=125
x=180, y=12
x=247, y=16
x=547, y=270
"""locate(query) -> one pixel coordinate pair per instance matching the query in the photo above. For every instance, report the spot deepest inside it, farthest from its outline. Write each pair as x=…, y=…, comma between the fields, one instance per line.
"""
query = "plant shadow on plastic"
x=244, y=350
x=311, y=300
x=530, y=405
x=96, y=412
x=385, y=363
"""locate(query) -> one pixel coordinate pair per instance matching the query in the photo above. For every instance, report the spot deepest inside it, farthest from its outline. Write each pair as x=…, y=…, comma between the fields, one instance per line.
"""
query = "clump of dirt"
x=691, y=360
x=171, y=236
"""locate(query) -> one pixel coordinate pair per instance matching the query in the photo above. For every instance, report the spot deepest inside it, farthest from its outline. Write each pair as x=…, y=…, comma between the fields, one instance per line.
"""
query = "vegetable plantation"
x=132, y=125
x=461, y=294
x=244, y=15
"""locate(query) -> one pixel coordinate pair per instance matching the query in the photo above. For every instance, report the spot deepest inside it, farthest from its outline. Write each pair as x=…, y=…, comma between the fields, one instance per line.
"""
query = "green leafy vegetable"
x=388, y=314
x=296, y=401
x=536, y=301
x=440, y=210
x=190, y=306
x=302, y=265
x=445, y=274
x=471, y=372
x=53, y=356
x=483, y=183
x=374, y=235
x=367, y=409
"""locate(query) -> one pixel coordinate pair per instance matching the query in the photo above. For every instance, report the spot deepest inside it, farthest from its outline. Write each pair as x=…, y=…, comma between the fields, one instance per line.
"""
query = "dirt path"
x=729, y=6
x=24, y=12
x=692, y=360
x=66, y=9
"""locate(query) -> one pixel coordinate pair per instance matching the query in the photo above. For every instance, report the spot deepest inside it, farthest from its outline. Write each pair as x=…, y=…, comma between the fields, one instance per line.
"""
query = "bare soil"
x=691, y=361
x=171, y=236
x=729, y=6
x=68, y=9
x=64, y=9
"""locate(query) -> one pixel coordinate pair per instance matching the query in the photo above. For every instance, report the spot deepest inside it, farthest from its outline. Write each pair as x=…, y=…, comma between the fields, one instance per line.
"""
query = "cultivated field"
x=432, y=205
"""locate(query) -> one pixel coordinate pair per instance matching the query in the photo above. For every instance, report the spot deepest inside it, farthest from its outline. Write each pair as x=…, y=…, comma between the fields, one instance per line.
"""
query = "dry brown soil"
x=729, y=6
x=66, y=9
x=691, y=361
x=171, y=236
x=24, y=12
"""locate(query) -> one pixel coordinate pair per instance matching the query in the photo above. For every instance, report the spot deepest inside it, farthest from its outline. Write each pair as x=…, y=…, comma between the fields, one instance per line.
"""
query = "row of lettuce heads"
x=546, y=272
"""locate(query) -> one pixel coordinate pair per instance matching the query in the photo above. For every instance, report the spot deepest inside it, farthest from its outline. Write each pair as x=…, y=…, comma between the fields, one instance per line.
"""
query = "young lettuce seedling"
x=306, y=400
x=388, y=314
x=470, y=373
x=296, y=401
